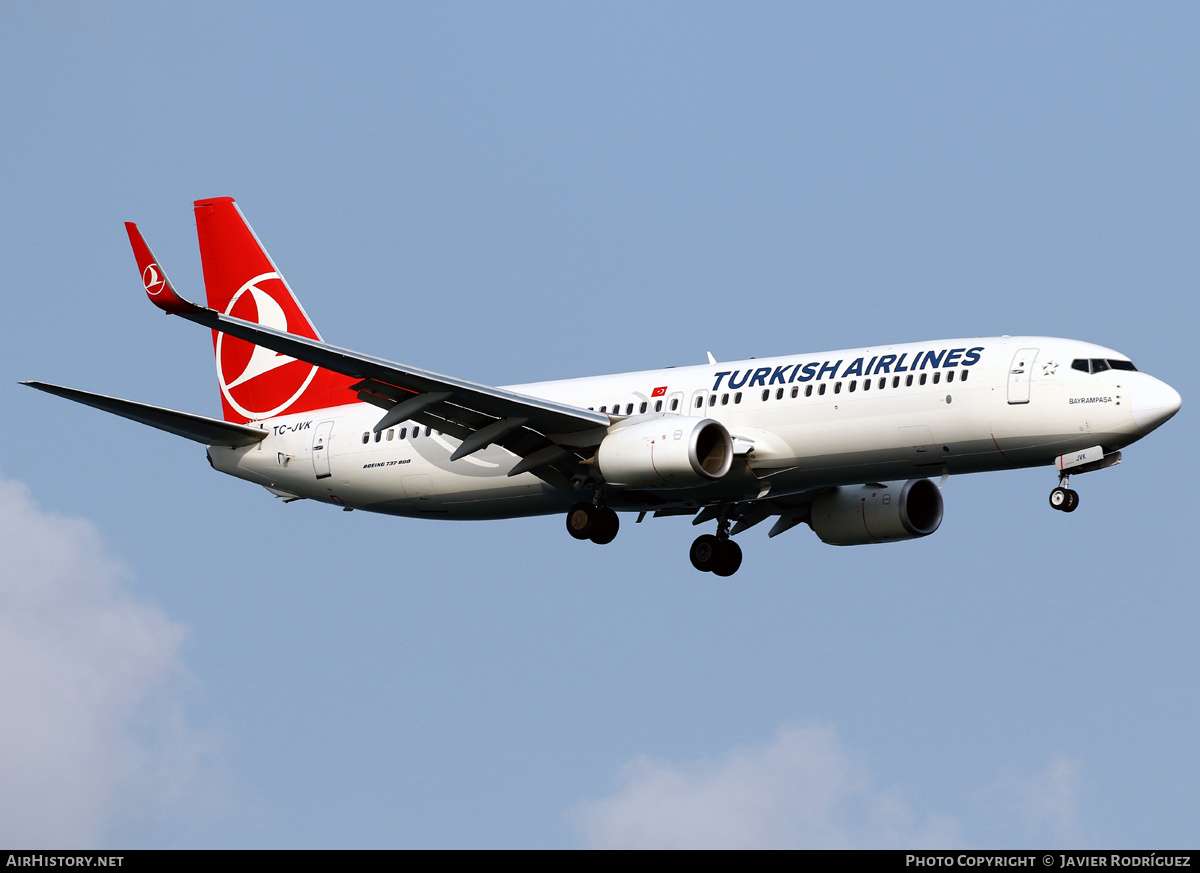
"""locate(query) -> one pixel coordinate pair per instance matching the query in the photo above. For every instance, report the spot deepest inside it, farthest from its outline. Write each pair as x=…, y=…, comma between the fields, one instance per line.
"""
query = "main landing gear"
x=716, y=554
x=710, y=554
x=587, y=521
x=1063, y=498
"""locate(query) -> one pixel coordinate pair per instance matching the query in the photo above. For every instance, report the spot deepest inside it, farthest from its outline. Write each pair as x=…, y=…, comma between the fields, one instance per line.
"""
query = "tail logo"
x=263, y=300
x=153, y=279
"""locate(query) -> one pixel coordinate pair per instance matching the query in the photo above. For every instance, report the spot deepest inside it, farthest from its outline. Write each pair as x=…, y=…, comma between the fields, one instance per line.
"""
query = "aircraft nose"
x=1153, y=403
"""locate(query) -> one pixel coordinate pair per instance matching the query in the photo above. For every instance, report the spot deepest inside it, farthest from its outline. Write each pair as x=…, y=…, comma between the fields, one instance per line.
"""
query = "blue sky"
x=528, y=191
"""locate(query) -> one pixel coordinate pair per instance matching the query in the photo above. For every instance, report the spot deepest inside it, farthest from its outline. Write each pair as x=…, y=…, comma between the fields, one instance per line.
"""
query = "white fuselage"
x=800, y=422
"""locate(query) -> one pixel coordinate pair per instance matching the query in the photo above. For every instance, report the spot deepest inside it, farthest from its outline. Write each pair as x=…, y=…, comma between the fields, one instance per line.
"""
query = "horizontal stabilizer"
x=202, y=429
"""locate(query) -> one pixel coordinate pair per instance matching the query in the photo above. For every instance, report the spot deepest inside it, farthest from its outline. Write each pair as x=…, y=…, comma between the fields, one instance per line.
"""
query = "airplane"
x=844, y=441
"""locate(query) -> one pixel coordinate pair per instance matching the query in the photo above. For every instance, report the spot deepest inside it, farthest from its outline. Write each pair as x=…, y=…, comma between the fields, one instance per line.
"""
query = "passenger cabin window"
x=866, y=384
x=808, y=391
x=766, y=394
x=699, y=402
x=712, y=401
x=674, y=404
x=883, y=381
x=658, y=406
x=937, y=377
x=853, y=385
x=922, y=378
x=821, y=390
x=366, y=437
x=907, y=381
x=950, y=376
x=737, y=398
x=724, y=399
x=604, y=409
x=391, y=433
x=378, y=435
x=642, y=408
x=403, y=432
x=629, y=409
x=965, y=374
x=837, y=387
x=779, y=394
x=795, y=391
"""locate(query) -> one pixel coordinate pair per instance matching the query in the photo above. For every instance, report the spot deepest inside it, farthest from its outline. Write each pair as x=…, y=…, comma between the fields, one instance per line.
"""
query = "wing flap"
x=201, y=428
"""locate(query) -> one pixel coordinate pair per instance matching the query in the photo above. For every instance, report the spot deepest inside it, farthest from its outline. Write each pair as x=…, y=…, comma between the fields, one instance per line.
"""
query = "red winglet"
x=158, y=287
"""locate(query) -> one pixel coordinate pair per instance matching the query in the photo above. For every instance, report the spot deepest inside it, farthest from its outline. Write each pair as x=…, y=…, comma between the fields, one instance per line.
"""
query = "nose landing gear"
x=718, y=554
x=1063, y=498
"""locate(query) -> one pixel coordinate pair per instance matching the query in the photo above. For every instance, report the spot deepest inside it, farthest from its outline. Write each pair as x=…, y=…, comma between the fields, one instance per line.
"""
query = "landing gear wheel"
x=1059, y=498
x=704, y=552
x=1072, y=501
x=581, y=521
x=728, y=559
x=604, y=526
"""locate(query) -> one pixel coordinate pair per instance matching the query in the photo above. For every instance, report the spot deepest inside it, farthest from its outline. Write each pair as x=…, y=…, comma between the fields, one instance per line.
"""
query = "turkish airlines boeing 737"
x=842, y=441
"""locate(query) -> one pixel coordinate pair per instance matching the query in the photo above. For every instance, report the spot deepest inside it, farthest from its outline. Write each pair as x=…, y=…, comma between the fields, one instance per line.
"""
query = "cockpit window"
x=1099, y=365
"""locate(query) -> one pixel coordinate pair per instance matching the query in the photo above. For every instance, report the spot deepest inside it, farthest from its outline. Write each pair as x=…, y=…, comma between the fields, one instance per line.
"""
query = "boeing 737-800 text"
x=843, y=441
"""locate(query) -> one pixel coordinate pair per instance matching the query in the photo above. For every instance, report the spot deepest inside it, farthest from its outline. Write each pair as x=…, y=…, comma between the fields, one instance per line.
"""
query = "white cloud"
x=1043, y=808
x=92, y=736
x=804, y=789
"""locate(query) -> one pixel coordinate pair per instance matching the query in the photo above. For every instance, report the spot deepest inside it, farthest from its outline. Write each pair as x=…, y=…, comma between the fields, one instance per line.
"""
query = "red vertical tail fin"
x=241, y=281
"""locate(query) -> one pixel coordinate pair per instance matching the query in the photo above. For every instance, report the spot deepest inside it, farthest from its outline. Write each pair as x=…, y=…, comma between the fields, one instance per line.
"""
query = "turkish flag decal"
x=659, y=392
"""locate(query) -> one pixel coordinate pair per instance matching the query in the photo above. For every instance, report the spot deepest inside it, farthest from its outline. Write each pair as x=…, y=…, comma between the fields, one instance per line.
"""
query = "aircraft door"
x=696, y=407
x=1019, y=374
x=674, y=402
x=320, y=449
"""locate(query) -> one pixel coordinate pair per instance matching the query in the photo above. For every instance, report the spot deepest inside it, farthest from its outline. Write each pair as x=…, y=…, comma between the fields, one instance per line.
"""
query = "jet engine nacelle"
x=670, y=451
x=881, y=512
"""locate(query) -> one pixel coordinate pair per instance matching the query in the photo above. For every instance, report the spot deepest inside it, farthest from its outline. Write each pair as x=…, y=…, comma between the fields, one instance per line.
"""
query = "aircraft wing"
x=407, y=383
x=202, y=429
x=544, y=434
x=792, y=510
